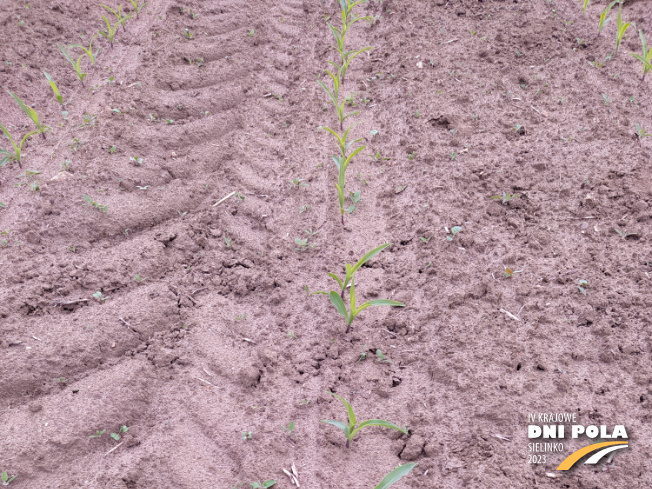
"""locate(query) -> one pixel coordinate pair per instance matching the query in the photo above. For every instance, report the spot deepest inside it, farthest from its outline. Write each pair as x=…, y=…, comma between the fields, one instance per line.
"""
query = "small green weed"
x=453, y=231
x=583, y=286
x=94, y=204
x=5, y=478
x=247, y=435
x=98, y=433
x=641, y=133
x=263, y=485
x=505, y=197
x=116, y=436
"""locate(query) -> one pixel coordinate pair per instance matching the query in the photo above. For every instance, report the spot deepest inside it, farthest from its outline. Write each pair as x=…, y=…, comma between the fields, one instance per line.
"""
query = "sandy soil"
x=203, y=328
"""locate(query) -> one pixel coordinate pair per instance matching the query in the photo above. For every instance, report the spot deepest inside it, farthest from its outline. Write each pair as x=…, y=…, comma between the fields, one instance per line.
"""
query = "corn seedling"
x=110, y=31
x=137, y=8
x=31, y=113
x=89, y=51
x=118, y=15
x=640, y=132
x=603, y=16
x=621, y=27
x=342, y=162
x=352, y=429
x=18, y=148
x=338, y=302
x=340, y=36
x=96, y=205
x=350, y=270
x=646, y=58
x=54, y=87
x=75, y=64
x=586, y=4
x=395, y=475
x=6, y=480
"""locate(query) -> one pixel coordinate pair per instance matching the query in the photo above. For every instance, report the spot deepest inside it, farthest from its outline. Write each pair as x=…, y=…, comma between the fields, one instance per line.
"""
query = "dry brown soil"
x=216, y=340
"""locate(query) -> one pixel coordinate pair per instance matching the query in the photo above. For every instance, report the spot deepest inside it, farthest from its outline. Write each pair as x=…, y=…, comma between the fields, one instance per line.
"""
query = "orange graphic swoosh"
x=575, y=456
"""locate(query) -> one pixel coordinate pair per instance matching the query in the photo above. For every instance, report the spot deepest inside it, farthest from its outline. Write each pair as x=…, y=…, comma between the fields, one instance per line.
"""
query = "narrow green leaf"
x=350, y=157
x=368, y=256
x=395, y=475
x=338, y=424
x=339, y=304
x=377, y=422
x=54, y=87
x=349, y=410
x=31, y=113
x=352, y=294
x=337, y=279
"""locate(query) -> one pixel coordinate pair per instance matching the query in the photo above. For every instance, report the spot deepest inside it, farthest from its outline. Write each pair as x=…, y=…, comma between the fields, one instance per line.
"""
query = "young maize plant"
x=586, y=4
x=110, y=31
x=18, y=148
x=54, y=87
x=89, y=51
x=350, y=430
x=76, y=65
x=342, y=163
x=621, y=27
x=137, y=8
x=340, y=35
x=646, y=59
x=395, y=475
x=350, y=270
x=31, y=113
x=603, y=16
x=122, y=19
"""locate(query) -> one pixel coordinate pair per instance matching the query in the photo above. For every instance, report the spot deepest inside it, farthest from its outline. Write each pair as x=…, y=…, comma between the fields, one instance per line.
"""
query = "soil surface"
x=191, y=323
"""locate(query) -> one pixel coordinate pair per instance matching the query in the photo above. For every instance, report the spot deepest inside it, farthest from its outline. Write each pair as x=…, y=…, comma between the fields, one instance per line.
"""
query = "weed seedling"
x=228, y=242
x=75, y=64
x=246, y=435
x=505, y=197
x=355, y=199
x=396, y=474
x=363, y=354
x=96, y=205
x=381, y=357
x=289, y=428
x=454, y=230
x=646, y=58
x=5, y=478
x=138, y=278
x=623, y=234
x=263, y=485
x=136, y=159
x=31, y=113
x=352, y=429
x=621, y=26
x=187, y=34
x=583, y=286
x=116, y=436
x=605, y=100
x=100, y=297
x=640, y=132
x=54, y=87
x=297, y=183
x=98, y=434
x=412, y=155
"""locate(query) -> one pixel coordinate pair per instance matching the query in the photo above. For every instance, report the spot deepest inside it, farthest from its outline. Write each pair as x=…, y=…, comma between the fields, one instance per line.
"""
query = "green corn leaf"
x=339, y=139
x=377, y=422
x=330, y=94
x=368, y=256
x=54, y=87
x=355, y=152
x=352, y=294
x=337, y=279
x=65, y=54
x=338, y=424
x=31, y=113
x=395, y=475
x=377, y=302
x=349, y=115
x=349, y=410
x=338, y=161
x=8, y=134
x=339, y=304
x=340, y=194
